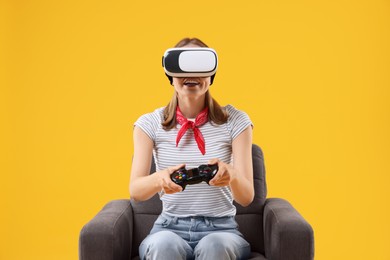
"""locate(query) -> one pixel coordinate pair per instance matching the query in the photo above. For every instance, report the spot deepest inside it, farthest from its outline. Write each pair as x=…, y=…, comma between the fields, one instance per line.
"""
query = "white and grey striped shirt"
x=199, y=199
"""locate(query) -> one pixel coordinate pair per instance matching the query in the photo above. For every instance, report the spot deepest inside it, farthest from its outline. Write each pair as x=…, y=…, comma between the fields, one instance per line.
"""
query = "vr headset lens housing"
x=190, y=62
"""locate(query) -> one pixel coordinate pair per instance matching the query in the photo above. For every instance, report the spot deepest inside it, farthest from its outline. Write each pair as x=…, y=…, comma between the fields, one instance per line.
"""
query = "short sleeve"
x=149, y=123
x=238, y=121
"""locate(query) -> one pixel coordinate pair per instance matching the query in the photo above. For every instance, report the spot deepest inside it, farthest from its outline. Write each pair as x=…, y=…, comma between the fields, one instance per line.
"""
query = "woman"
x=197, y=223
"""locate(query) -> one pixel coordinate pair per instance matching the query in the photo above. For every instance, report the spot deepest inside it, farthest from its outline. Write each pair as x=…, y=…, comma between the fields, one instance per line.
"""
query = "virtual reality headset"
x=190, y=62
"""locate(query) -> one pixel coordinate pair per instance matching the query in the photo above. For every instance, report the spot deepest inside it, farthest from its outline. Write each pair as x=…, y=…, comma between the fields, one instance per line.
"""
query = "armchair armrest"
x=287, y=234
x=108, y=235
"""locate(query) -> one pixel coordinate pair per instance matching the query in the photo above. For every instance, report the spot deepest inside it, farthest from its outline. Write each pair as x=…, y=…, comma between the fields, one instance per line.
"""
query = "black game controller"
x=204, y=172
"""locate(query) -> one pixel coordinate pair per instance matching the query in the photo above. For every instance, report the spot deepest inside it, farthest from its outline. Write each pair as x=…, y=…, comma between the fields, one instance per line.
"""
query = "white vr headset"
x=190, y=62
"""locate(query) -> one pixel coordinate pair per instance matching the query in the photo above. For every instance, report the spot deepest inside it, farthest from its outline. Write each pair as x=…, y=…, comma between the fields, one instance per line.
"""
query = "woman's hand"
x=225, y=173
x=165, y=182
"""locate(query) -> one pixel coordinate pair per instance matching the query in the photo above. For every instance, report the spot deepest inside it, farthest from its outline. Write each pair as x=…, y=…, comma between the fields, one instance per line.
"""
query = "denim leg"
x=164, y=245
x=222, y=245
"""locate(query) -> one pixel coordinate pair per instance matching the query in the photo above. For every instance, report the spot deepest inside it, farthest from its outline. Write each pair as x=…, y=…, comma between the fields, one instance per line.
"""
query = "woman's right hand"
x=165, y=182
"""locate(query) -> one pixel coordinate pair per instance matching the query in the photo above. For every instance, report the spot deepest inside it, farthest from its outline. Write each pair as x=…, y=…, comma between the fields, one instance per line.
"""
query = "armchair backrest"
x=250, y=218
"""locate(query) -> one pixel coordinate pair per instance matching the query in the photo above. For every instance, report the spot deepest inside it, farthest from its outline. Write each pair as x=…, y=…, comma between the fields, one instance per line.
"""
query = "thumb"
x=177, y=167
x=213, y=161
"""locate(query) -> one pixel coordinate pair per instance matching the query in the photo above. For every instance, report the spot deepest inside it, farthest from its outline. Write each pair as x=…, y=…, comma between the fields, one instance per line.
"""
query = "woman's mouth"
x=191, y=83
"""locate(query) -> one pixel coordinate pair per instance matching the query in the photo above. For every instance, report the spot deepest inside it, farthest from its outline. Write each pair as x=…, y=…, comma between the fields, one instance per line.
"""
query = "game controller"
x=204, y=172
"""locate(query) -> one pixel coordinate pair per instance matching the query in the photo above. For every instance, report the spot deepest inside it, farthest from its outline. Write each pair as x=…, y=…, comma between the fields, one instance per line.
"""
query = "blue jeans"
x=194, y=238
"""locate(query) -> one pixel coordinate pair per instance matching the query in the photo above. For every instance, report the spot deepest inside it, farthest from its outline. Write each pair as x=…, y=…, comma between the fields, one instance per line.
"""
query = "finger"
x=221, y=184
x=171, y=186
x=179, y=166
x=169, y=190
x=220, y=176
x=215, y=180
x=175, y=187
x=220, y=173
x=213, y=161
x=175, y=168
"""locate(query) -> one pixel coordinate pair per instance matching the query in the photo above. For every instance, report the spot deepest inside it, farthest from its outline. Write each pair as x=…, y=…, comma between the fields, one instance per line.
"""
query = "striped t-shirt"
x=198, y=199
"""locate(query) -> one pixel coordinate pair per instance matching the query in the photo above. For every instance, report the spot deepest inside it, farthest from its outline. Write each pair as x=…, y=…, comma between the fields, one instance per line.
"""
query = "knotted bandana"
x=201, y=119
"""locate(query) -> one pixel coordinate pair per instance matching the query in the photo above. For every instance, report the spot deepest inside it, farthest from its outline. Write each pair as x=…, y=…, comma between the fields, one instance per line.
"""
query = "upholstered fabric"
x=273, y=227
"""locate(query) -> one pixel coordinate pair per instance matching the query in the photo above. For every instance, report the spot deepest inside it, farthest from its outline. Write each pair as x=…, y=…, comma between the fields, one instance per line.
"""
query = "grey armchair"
x=275, y=230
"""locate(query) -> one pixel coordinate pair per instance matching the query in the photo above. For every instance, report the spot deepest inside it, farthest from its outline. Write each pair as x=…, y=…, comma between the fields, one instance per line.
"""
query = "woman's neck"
x=191, y=107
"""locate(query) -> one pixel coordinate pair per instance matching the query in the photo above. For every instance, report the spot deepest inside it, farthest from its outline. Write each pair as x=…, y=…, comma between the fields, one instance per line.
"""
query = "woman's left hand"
x=224, y=175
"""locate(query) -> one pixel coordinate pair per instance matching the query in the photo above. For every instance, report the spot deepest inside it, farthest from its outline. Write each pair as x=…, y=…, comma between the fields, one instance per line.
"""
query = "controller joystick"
x=204, y=172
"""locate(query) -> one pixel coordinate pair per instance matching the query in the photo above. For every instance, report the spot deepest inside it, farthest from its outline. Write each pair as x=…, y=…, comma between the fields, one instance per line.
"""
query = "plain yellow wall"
x=312, y=75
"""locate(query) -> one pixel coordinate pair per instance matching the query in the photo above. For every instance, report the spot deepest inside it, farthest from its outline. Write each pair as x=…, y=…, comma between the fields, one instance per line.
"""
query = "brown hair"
x=187, y=41
x=217, y=114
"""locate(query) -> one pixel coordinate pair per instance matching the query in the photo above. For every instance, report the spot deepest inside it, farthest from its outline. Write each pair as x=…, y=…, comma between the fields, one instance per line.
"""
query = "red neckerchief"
x=201, y=119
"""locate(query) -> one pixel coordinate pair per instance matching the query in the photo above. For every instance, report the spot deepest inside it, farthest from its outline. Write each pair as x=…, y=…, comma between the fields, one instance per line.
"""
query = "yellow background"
x=312, y=75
